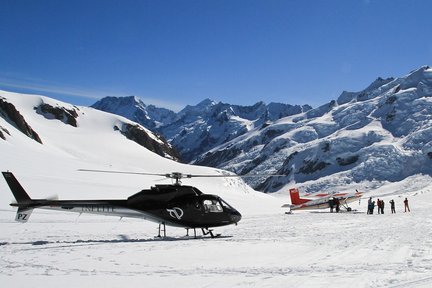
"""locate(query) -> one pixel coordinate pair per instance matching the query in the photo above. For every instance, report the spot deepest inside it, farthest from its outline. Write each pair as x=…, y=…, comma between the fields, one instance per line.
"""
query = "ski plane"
x=321, y=201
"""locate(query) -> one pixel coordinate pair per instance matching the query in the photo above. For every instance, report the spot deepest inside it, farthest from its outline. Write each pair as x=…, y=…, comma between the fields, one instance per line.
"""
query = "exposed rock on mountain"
x=2, y=129
x=67, y=116
x=11, y=114
x=154, y=143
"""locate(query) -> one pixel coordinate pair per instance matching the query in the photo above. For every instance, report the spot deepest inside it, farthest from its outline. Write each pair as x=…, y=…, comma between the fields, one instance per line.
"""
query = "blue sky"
x=174, y=53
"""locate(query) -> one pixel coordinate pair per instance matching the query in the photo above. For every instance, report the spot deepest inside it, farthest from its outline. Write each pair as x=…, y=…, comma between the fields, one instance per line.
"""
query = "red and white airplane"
x=323, y=200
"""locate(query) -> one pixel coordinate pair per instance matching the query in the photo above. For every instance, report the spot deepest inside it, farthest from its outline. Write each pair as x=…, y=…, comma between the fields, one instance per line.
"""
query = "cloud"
x=52, y=88
x=33, y=85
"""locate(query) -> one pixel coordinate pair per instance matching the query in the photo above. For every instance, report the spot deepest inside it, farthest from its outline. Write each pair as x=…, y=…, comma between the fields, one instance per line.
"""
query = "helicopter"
x=167, y=204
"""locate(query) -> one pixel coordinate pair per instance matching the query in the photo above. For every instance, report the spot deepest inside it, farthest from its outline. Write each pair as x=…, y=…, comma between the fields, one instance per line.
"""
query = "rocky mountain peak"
x=133, y=108
x=382, y=133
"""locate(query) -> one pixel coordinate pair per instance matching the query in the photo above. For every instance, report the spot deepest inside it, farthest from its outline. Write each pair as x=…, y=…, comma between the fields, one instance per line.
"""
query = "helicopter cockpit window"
x=197, y=205
x=225, y=205
x=212, y=206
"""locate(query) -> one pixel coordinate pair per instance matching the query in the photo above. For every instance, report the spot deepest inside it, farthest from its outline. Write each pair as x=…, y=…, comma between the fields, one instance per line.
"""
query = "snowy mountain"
x=197, y=129
x=45, y=108
x=200, y=128
x=44, y=142
x=383, y=133
x=134, y=109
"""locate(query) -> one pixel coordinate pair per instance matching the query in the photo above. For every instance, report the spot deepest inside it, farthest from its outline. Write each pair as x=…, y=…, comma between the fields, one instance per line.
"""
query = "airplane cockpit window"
x=212, y=206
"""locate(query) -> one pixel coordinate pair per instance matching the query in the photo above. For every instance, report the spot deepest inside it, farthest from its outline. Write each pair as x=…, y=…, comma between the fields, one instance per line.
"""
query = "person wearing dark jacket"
x=337, y=202
x=369, y=206
x=392, y=206
x=331, y=204
x=379, y=206
x=406, y=205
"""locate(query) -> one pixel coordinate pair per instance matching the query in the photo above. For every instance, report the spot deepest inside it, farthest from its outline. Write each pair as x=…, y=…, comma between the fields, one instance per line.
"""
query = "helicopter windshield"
x=226, y=205
x=212, y=206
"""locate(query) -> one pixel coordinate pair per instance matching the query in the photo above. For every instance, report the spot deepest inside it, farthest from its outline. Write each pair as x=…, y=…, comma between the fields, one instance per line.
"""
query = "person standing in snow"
x=337, y=202
x=369, y=206
x=406, y=205
x=382, y=206
x=372, y=207
x=379, y=205
x=392, y=206
x=331, y=204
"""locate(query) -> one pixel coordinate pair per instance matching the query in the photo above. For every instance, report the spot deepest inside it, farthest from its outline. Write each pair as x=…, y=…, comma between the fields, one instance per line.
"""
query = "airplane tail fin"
x=23, y=199
x=295, y=197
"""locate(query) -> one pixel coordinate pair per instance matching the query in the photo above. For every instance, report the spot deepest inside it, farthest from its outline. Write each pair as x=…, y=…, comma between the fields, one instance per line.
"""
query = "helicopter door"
x=212, y=206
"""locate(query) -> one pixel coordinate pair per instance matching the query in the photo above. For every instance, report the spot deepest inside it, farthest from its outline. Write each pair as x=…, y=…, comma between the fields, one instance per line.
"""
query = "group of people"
x=380, y=205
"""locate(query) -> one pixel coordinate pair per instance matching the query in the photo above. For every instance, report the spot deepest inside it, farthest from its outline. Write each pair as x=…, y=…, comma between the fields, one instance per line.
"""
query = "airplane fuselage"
x=322, y=202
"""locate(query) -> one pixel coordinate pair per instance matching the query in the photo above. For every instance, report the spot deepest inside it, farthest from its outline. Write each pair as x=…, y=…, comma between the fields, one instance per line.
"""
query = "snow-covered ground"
x=267, y=249
x=303, y=249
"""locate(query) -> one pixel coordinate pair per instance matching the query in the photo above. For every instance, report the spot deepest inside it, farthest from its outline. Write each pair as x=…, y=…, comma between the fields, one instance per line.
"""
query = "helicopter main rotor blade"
x=231, y=176
x=123, y=172
x=178, y=175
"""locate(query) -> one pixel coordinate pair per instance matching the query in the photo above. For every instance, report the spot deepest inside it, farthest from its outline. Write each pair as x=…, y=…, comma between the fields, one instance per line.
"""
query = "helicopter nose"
x=236, y=217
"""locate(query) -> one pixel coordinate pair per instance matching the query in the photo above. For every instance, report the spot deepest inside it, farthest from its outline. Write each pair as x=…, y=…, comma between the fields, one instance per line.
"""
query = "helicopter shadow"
x=41, y=244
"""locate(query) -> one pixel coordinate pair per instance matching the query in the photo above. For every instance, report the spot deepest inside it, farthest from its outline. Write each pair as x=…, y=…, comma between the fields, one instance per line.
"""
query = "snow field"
x=303, y=249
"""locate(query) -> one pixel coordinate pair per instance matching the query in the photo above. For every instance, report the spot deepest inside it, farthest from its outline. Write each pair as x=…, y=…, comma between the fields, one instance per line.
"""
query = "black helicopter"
x=168, y=204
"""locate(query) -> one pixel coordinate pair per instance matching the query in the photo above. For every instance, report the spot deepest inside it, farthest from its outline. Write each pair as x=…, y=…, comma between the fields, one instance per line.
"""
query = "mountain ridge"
x=384, y=133
x=381, y=133
x=198, y=128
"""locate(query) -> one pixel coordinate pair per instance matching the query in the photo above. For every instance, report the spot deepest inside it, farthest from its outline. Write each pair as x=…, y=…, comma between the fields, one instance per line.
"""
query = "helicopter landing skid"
x=162, y=227
x=205, y=232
